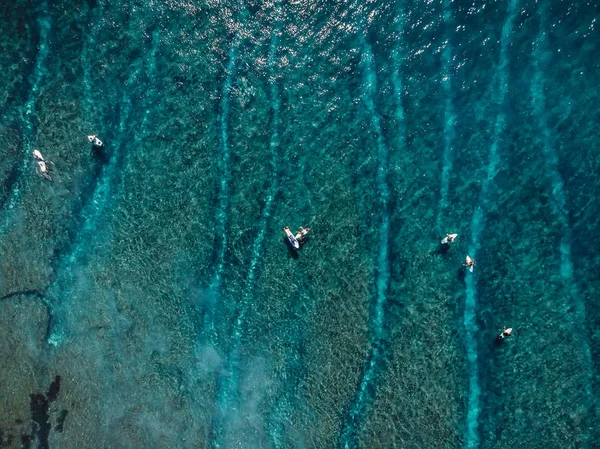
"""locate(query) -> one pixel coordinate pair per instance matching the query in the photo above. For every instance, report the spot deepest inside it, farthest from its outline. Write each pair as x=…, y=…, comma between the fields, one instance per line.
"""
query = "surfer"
x=505, y=333
x=95, y=141
x=448, y=239
x=470, y=263
x=42, y=167
x=301, y=234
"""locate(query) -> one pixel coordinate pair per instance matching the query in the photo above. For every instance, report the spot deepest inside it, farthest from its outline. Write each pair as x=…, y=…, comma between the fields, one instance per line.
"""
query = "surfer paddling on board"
x=448, y=239
x=505, y=333
x=95, y=141
x=41, y=162
x=301, y=234
x=470, y=263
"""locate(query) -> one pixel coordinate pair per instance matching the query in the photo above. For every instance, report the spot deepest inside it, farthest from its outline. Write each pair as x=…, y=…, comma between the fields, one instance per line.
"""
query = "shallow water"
x=153, y=277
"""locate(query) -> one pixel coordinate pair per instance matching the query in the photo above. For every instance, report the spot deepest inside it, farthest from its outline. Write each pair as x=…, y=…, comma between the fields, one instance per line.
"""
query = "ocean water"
x=149, y=299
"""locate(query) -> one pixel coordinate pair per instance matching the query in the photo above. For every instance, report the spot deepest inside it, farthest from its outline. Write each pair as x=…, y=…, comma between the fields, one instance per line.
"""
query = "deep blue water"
x=148, y=297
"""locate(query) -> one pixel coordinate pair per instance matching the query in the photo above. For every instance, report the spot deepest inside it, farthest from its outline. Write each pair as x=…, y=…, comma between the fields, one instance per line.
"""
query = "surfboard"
x=446, y=240
x=95, y=141
x=37, y=155
x=291, y=238
x=469, y=260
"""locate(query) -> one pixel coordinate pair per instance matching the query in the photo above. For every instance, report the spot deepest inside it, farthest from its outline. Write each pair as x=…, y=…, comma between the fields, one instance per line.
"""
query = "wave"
x=66, y=281
x=377, y=334
x=151, y=73
x=541, y=55
x=230, y=385
x=103, y=195
x=477, y=227
x=221, y=215
x=88, y=187
x=28, y=131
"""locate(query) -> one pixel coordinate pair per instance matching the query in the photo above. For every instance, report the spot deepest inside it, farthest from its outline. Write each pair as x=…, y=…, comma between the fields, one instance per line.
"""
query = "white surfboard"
x=95, y=141
x=37, y=155
x=291, y=237
x=446, y=239
x=469, y=260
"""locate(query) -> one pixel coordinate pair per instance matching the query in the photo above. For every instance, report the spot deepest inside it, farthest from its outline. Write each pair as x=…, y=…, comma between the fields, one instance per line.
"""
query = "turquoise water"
x=149, y=298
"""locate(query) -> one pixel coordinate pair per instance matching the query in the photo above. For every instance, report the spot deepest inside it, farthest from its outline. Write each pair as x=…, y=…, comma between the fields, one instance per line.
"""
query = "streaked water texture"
x=43, y=25
x=150, y=299
x=477, y=228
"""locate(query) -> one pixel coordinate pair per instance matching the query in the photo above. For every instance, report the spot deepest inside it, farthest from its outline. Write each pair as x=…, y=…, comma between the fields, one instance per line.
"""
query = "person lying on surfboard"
x=505, y=333
x=449, y=239
x=301, y=234
x=95, y=141
x=470, y=263
x=42, y=166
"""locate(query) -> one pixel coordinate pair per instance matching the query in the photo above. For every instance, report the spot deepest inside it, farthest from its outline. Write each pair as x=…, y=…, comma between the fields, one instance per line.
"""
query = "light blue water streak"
x=62, y=289
x=103, y=199
x=477, y=226
x=449, y=116
x=38, y=74
x=257, y=247
x=152, y=90
x=541, y=58
x=222, y=211
x=228, y=391
x=359, y=403
x=397, y=82
x=151, y=93
x=29, y=117
x=280, y=425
